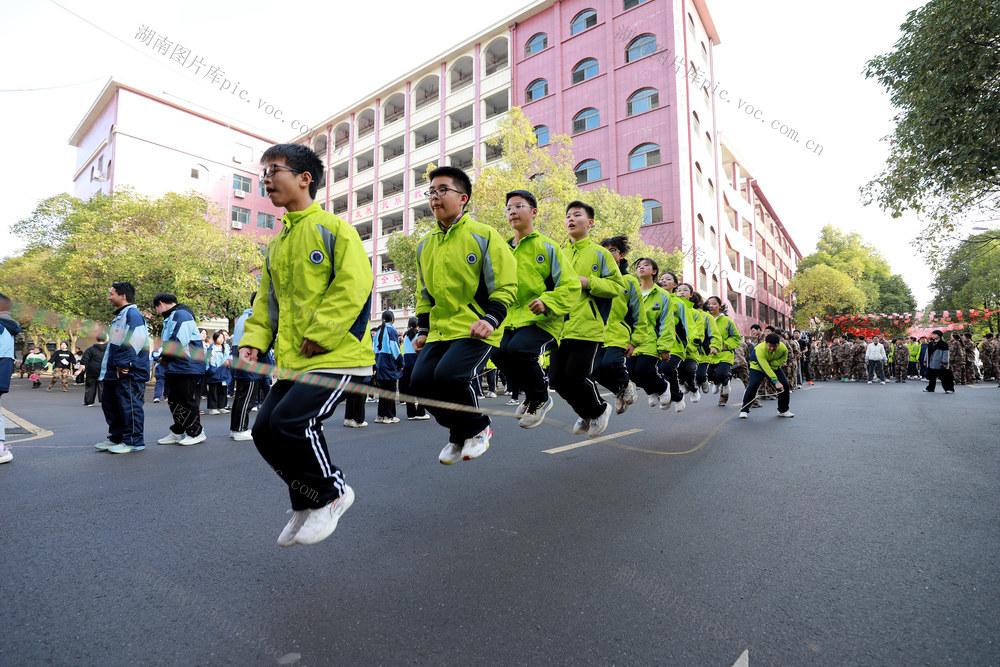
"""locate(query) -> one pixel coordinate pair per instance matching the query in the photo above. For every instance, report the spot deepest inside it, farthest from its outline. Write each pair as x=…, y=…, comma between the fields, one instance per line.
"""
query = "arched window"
x=426, y=91
x=495, y=57
x=629, y=4
x=652, y=212
x=461, y=73
x=585, y=19
x=588, y=170
x=586, y=69
x=642, y=100
x=645, y=155
x=587, y=119
x=366, y=122
x=697, y=122
x=319, y=145
x=542, y=134
x=394, y=109
x=536, y=44
x=641, y=46
x=697, y=173
x=538, y=88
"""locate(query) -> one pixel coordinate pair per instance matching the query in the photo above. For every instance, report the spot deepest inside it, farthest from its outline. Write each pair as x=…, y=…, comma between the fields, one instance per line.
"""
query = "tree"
x=943, y=76
x=547, y=172
x=822, y=290
x=894, y=296
x=75, y=249
x=970, y=279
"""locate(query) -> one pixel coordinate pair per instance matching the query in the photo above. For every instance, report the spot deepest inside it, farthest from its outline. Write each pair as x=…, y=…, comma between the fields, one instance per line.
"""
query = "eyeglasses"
x=268, y=171
x=517, y=207
x=441, y=191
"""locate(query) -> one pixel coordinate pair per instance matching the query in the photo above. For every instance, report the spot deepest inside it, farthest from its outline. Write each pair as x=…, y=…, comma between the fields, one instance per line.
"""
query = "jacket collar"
x=292, y=217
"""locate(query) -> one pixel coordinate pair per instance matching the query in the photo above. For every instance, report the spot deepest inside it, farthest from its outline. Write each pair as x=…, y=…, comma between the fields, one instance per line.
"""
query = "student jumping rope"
x=660, y=335
x=625, y=332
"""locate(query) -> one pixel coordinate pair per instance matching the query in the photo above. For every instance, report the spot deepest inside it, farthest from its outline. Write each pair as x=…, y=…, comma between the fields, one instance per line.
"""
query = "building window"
x=242, y=183
x=265, y=220
x=239, y=217
x=645, y=155
x=542, y=134
x=536, y=44
x=629, y=4
x=538, y=88
x=587, y=69
x=587, y=171
x=366, y=122
x=587, y=119
x=194, y=173
x=701, y=226
x=697, y=174
x=426, y=92
x=395, y=108
x=496, y=56
x=585, y=19
x=652, y=212
x=641, y=46
x=261, y=190
x=704, y=52
x=748, y=306
x=642, y=100
x=696, y=122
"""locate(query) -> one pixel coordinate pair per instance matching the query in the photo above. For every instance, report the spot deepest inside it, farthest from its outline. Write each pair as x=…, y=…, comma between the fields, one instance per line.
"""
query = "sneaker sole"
x=545, y=410
x=347, y=500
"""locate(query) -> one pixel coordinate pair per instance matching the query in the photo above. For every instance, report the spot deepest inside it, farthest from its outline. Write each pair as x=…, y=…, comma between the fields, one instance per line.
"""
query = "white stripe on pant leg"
x=313, y=436
x=475, y=396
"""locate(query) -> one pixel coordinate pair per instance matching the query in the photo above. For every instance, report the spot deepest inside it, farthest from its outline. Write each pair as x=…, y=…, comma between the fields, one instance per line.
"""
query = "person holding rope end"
x=312, y=307
x=766, y=360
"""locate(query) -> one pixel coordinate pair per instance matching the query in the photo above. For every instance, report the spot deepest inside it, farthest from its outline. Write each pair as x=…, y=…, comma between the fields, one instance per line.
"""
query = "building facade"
x=133, y=138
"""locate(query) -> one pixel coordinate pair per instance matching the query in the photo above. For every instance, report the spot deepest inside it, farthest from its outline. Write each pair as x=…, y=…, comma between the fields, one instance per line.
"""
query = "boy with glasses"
x=312, y=307
x=466, y=280
x=547, y=289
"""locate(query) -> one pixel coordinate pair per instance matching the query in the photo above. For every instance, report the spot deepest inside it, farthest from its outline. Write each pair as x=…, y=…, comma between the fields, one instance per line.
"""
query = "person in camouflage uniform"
x=791, y=365
x=839, y=352
x=987, y=353
x=816, y=368
x=740, y=368
x=901, y=351
x=956, y=353
x=969, y=375
x=859, y=369
x=826, y=359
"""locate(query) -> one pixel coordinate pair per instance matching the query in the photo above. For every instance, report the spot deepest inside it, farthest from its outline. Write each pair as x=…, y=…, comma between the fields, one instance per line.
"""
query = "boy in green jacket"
x=466, y=281
x=312, y=307
x=582, y=334
x=547, y=289
x=625, y=332
x=766, y=360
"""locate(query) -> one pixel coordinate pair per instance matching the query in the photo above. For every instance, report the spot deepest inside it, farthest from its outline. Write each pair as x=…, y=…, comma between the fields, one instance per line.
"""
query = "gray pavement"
x=864, y=531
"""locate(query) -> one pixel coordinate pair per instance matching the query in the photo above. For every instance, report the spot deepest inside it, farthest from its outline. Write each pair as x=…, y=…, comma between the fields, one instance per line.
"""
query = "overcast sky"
x=798, y=63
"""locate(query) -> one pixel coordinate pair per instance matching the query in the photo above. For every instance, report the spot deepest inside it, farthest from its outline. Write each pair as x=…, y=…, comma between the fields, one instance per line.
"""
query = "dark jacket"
x=62, y=359
x=388, y=358
x=183, y=352
x=91, y=359
x=937, y=355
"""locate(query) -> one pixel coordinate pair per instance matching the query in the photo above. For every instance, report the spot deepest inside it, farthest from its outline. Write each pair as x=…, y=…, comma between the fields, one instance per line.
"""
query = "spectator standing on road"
x=9, y=328
x=247, y=384
x=91, y=362
x=388, y=368
x=875, y=358
x=62, y=361
x=901, y=353
x=219, y=375
x=414, y=411
x=956, y=353
x=937, y=359
x=35, y=363
x=183, y=366
x=124, y=372
x=313, y=308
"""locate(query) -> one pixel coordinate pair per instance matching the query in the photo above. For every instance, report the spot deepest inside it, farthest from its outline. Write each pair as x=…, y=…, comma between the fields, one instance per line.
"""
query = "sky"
x=797, y=63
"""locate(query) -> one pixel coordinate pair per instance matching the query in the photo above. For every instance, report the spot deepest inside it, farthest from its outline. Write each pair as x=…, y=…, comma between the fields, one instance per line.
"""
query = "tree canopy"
x=74, y=250
x=547, y=172
x=943, y=76
x=970, y=279
x=822, y=290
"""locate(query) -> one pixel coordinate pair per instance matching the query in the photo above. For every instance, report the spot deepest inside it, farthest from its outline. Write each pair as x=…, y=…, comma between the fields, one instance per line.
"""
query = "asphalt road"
x=863, y=532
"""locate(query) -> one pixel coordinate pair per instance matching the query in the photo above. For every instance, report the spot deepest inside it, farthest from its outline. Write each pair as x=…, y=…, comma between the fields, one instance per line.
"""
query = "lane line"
x=39, y=432
x=592, y=441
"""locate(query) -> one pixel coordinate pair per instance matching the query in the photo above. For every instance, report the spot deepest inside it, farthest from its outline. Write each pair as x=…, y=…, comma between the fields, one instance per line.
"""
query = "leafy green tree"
x=822, y=290
x=970, y=279
x=547, y=172
x=75, y=249
x=943, y=76
x=894, y=296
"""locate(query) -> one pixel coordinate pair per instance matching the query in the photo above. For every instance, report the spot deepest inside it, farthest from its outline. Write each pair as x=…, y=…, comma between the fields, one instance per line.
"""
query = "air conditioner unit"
x=237, y=224
x=239, y=194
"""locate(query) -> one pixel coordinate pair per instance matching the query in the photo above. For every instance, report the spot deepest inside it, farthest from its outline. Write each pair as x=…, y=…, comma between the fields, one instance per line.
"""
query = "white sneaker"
x=170, y=439
x=883, y=381
x=224, y=411
x=213, y=411
x=287, y=537
x=6, y=456
x=350, y=423
x=869, y=382
x=477, y=445
x=715, y=389
x=535, y=413
x=786, y=415
x=631, y=394
x=490, y=394
x=512, y=401
x=387, y=420
x=323, y=521
x=254, y=409
x=193, y=440
x=665, y=400
x=379, y=420
x=522, y=407
x=156, y=400
x=679, y=405
x=620, y=405
x=451, y=453
x=600, y=425
x=744, y=415
x=241, y=436
x=654, y=400
x=705, y=388
x=696, y=396
x=581, y=426
x=419, y=418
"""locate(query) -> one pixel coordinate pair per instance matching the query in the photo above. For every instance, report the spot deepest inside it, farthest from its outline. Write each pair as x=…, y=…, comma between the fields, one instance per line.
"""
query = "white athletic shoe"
x=156, y=400
x=379, y=420
x=419, y=418
x=170, y=439
x=490, y=394
x=581, y=426
x=883, y=381
x=744, y=414
x=665, y=400
x=451, y=453
x=696, y=396
x=350, y=423
x=600, y=425
x=213, y=411
x=522, y=407
x=704, y=387
x=323, y=521
x=715, y=389
x=654, y=400
x=512, y=401
x=631, y=394
x=193, y=439
x=6, y=456
x=620, y=405
x=679, y=405
x=477, y=445
x=869, y=382
x=241, y=436
x=287, y=537
x=533, y=417
x=787, y=415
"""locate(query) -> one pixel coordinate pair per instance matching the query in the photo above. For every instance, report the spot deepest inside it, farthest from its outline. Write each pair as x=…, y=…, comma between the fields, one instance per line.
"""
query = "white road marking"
x=590, y=441
x=743, y=660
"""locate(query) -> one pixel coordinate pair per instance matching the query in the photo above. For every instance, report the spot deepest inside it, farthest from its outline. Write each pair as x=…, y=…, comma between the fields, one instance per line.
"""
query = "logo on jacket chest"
x=471, y=258
x=540, y=259
x=316, y=257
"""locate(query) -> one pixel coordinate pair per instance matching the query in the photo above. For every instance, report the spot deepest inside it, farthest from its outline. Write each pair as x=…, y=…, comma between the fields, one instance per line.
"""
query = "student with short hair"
x=547, y=289
x=572, y=362
x=183, y=361
x=625, y=332
x=312, y=307
x=766, y=360
x=466, y=281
